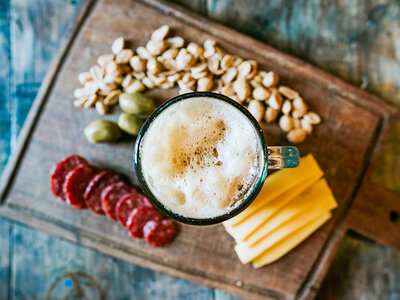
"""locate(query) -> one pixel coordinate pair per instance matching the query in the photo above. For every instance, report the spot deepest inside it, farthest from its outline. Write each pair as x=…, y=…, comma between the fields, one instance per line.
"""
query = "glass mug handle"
x=280, y=157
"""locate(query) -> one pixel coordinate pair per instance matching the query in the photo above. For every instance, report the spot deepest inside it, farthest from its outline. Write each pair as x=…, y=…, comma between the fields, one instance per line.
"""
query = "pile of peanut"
x=166, y=62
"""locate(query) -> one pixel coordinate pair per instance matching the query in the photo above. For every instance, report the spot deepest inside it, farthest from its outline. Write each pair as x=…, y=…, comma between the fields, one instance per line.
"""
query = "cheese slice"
x=290, y=242
x=247, y=254
x=278, y=183
x=308, y=199
x=250, y=225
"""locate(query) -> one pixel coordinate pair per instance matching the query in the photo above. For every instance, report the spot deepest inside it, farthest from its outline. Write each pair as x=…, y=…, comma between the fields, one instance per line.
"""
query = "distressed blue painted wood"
x=354, y=39
x=5, y=116
x=32, y=263
x=37, y=28
x=5, y=138
x=66, y=266
x=362, y=269
x=5, y=247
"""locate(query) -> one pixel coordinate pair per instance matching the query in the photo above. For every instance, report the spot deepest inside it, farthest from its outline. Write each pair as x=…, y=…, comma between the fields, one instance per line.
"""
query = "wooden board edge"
x=370, y=102
x=350, y=221
x=340, y=227
x=373, y=103
x=369, y=209
x=85, y=240
x=49, y=79
x=321, y=266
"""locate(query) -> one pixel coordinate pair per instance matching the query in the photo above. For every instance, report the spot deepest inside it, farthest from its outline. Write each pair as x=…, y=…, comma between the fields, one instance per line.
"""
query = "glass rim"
x=248, y=198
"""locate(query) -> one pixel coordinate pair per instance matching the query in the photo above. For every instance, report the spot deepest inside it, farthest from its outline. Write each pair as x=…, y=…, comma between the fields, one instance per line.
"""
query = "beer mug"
x=269, y=157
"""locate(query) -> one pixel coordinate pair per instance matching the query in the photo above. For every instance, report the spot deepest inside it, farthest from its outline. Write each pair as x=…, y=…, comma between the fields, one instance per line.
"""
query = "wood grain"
x=112, y=279
x=5, y=120
x=49, y=143
x=362, y=269
x=341, y=37
x=385, y=23
x=219, y=295
x=377, y=199
x=5, y=247
x=198, y=6
x=32, y=64
x=355, y=40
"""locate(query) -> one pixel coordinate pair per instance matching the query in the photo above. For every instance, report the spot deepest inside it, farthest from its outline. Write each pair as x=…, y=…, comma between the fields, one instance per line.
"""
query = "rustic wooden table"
x=356, y=40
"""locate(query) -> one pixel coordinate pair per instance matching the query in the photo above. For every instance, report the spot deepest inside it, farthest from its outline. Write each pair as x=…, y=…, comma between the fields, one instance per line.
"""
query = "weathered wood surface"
x=377, y=199
x=362, y=269
x=37, y=27
x=5, y=246
x=5, y=113
x=349, y=126
x=66, y=265
x=356, y=40
x=5, y=139
x=289, y=32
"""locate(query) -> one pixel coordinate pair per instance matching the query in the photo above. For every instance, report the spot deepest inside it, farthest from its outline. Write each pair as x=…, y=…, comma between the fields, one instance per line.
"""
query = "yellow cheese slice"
x=245, y=229
x=278, y=183
x=290, y=242
x=247, y=254
x=305, y=201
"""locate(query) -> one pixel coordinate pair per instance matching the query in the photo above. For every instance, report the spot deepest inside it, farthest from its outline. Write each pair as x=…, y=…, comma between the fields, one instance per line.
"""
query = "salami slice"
x=60, y=171
x=139, y=217
x=111, y=195
x=158, y=233
x=93, y=191
x=128, y=203
x=75, y=184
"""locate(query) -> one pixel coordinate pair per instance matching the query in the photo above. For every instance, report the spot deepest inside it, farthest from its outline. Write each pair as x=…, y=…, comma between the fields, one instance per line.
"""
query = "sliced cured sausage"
x=60, y=171
x=139, y=217
x=128, y=203
x=158, y=233
x=92, y=195
x=111, y=195
x=76, y=182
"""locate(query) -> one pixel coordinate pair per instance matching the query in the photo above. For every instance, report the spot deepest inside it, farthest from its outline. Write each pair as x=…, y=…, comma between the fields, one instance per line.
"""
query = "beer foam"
x=200, y=156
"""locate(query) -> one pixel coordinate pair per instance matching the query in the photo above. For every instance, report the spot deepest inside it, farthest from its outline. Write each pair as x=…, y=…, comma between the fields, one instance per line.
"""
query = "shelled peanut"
x=166, y=62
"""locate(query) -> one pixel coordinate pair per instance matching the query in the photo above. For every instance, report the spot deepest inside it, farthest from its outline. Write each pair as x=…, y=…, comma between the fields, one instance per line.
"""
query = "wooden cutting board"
x=356, y=126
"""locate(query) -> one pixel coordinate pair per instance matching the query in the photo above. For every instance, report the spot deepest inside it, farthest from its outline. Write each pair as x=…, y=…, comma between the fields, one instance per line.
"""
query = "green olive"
x=102, y=131
x=136, y=103
x=130, y=123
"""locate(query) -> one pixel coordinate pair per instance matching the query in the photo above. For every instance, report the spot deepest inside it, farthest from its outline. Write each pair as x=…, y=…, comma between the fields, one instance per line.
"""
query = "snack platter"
x=355, y=128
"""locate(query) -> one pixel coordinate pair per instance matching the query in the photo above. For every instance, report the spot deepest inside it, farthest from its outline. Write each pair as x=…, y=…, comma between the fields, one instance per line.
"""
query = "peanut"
x=118, y=45
x=135, y=86
x=312, y=118
x=156, y=47
x=101, y=107
x=84, y=77
x=160, y=33
x=270, y=114
x=296, y=136
x=288, y=92
x=242, y=88
x=260, y=93
x=124, y=56
x=307, y=127
x=205, y=84
x=275, y=100
x=103, y=59
x=286, y=123
x=286, y=107
x=256, y=108
x=270, y=79
x=175, y=42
